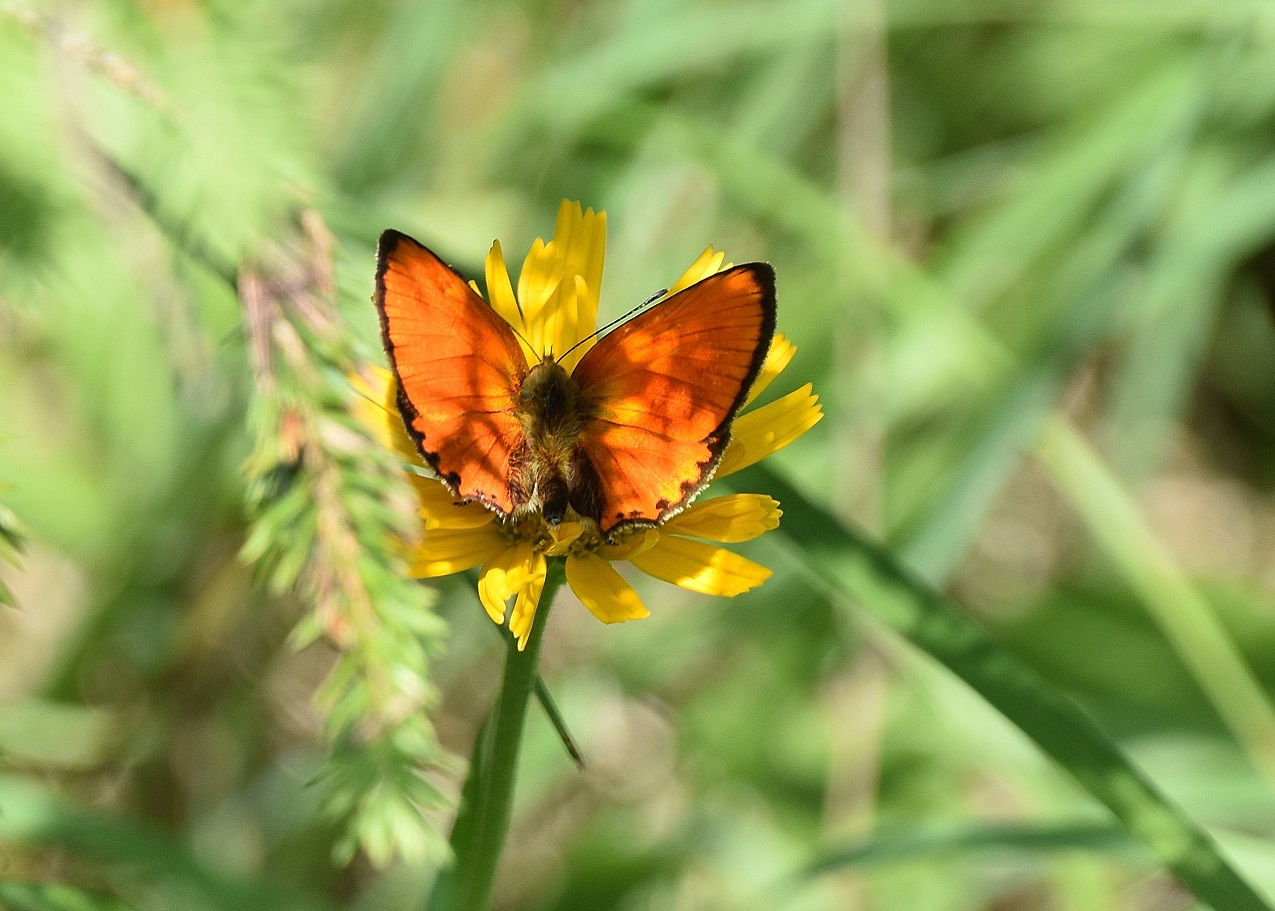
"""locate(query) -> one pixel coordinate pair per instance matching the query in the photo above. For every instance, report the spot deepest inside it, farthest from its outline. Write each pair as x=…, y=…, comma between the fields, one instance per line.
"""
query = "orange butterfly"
x=627, y=438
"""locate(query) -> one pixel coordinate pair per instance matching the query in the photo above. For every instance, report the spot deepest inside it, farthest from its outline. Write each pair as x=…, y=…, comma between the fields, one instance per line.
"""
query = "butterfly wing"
x=458, y=366
x=662, y=390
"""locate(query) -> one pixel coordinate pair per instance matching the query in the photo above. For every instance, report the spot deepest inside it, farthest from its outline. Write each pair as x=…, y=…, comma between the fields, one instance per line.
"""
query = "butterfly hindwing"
x=458, y=367
x=663, y=389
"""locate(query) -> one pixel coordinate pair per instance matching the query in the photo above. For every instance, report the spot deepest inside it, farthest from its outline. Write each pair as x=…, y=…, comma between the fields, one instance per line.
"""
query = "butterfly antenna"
x=380, y=405
x=522, y=338
x=617, y=321
x=522, y=316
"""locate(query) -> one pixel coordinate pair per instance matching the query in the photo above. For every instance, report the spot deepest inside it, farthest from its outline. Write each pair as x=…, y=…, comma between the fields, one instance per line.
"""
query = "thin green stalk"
x=546, y=700
x=487, y=799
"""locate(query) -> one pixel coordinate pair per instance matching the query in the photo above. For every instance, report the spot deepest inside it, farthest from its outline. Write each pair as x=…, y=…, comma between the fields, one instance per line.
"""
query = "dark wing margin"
x=458, y=366
x=663, y=390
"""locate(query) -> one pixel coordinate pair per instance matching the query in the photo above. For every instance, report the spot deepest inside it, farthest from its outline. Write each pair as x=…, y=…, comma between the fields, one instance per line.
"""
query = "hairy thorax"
x=552, y=473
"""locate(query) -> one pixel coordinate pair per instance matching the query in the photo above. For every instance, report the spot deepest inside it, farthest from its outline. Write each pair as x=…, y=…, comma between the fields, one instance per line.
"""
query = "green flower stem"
x=487, y=799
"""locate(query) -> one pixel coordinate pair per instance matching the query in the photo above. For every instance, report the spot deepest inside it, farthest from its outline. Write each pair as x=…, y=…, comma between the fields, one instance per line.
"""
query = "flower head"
x=554, y=309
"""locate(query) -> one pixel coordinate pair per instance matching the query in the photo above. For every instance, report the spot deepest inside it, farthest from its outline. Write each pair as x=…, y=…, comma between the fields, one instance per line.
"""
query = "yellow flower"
x=554, y=308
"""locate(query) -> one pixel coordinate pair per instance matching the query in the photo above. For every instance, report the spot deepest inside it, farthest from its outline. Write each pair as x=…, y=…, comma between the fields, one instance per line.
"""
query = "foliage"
x=330, y=510
x=10, y=548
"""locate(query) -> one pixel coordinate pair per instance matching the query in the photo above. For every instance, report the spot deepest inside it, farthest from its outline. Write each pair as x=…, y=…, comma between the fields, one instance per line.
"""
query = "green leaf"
x=53, y=897
x=855, y=569
x=558, y=721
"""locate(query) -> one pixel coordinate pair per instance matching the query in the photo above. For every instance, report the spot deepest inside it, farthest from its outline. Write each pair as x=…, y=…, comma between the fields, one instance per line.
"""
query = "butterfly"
x=627, y=438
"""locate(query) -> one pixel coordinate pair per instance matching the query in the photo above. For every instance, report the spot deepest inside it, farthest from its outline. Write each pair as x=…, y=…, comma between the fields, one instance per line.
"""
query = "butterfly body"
x=628, y=437
x=551, y=473
x=550, y=407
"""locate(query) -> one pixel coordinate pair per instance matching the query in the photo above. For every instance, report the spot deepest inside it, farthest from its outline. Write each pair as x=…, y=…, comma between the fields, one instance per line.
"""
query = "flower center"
x=574, y=535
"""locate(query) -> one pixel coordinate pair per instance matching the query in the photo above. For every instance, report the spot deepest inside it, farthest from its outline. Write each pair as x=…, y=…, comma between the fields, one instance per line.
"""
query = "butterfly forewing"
x=458, y=366
x=662, y=391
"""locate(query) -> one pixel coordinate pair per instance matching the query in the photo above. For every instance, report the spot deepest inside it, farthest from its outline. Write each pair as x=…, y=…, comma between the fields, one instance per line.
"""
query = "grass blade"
x=905, y=847
x=857, y=569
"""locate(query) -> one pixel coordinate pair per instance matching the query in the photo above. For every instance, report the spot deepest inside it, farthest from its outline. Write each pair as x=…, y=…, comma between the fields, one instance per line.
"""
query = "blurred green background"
x=1027, y=251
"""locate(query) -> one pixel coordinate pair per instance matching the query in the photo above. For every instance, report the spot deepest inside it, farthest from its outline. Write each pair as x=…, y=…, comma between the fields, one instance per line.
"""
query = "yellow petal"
x=777, y=358
x=705, y=265
x=578, y=325
x=729, y=519
x=535, y=281
x=501, y=293
x=559, y=316
x=770, y=428
x=443, y=551
x=376, y=407
x=559, y=283
x=528, y=601
x=700, y=567
x=539, y=278
x=592, y=244
x=505, y=575
x=563, y=537
x=581, y=240
x=440, y=508
x=602, y=590
x=635, y=541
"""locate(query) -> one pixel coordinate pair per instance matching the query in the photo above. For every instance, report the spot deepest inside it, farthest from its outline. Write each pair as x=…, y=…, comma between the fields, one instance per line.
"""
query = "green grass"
x=1017, y=651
